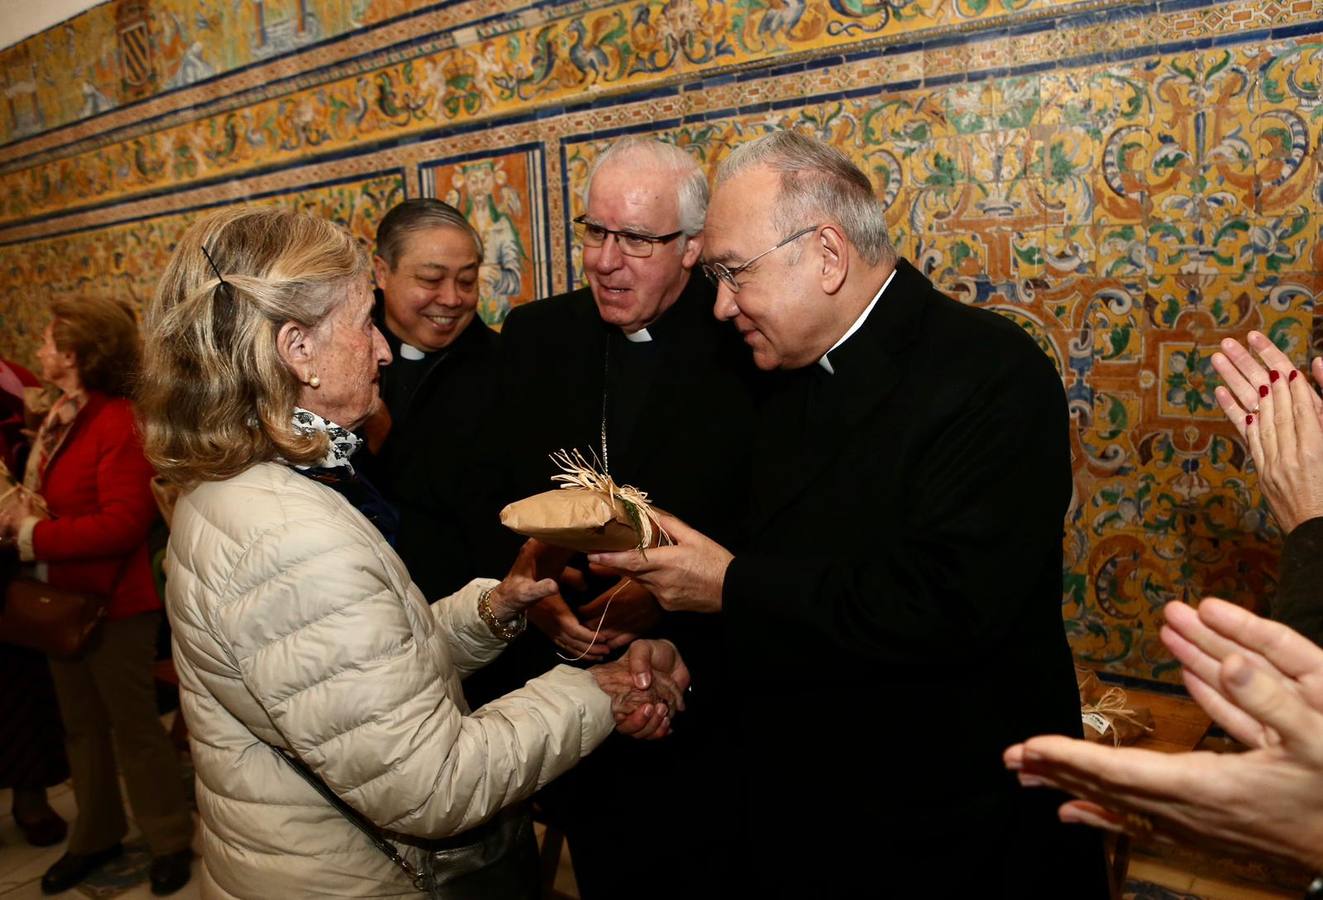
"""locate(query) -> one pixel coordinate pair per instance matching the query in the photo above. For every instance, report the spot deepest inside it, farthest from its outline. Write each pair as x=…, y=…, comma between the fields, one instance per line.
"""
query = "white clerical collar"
x=825, y=362
x=409, y=351
x=637, y=337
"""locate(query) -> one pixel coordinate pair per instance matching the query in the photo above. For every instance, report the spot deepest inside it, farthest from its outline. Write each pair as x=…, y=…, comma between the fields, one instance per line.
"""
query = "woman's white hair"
x=215, y=396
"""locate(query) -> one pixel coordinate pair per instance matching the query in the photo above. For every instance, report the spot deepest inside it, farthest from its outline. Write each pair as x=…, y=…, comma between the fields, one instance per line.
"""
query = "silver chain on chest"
x=606, y=375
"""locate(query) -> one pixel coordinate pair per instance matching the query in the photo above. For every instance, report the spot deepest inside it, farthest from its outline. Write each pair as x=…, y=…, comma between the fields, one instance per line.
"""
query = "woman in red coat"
x=87, y=464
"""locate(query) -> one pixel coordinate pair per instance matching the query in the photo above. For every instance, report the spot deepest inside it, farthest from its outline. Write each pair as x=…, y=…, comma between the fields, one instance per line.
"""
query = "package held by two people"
x=588, y=512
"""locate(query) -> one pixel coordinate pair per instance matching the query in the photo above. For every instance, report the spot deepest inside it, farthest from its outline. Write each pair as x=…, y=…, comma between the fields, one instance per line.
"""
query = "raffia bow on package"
x=588, y=512
x=1107, y=714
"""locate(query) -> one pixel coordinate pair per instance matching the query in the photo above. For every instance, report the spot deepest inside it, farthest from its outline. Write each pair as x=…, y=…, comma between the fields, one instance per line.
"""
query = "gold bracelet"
x=506, y=631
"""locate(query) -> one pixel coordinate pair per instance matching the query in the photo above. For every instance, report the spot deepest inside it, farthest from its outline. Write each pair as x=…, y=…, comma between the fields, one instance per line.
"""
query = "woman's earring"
x=314, y=382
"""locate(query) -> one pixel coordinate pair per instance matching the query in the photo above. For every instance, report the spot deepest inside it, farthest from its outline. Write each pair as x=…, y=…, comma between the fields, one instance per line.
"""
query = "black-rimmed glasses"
x=720, y=273
x=631, y=243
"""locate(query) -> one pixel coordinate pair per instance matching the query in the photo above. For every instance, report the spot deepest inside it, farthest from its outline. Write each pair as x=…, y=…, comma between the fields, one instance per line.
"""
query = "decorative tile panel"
x=1128, y=182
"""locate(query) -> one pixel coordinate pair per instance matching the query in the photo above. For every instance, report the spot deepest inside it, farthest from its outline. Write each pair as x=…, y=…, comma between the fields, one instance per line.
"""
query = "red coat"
x=99, y=493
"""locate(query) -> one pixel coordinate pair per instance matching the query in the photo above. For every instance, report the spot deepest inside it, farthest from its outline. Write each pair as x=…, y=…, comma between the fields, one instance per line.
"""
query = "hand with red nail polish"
x=1287, y=448
x=1244, y=368
x=1287, y=444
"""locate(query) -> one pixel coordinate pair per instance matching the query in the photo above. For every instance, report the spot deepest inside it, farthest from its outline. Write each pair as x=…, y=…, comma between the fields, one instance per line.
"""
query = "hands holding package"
x=646, y=685
x=687, y=575
x=670, y=567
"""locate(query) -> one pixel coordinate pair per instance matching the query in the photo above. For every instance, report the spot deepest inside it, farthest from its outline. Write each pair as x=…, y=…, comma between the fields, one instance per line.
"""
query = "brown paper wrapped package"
x=1091, y=689
x=1107, y=714
x=1137, y=722
x=579, y=519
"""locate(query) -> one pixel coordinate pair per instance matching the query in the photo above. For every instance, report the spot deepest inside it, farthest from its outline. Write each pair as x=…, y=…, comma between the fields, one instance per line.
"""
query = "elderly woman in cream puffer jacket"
x=295, y=623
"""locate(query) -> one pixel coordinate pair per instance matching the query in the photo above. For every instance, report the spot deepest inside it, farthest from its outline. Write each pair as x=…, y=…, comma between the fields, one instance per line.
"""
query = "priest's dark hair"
x=415, y=215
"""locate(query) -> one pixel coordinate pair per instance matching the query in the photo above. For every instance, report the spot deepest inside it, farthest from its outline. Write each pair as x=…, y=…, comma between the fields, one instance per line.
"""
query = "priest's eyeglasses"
x=720, y=273
x=631, y=243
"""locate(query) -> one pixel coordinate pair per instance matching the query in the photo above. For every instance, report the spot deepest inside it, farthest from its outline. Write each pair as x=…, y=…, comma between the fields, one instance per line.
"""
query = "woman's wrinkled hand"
x=646, y=687
x=528, y=581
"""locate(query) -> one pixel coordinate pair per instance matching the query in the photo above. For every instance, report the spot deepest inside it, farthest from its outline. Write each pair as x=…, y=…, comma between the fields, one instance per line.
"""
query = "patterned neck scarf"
x=54, y=429
x=337, y=472
x=343, y=443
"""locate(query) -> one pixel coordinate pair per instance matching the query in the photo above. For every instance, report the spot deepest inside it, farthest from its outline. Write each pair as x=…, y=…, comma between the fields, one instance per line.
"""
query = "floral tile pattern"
x=1128, y=183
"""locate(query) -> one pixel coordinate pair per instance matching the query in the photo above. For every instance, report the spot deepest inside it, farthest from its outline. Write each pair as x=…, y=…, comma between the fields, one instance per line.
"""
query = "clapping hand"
x=1263, y=683
x=1281, y=419
x=1204, y=640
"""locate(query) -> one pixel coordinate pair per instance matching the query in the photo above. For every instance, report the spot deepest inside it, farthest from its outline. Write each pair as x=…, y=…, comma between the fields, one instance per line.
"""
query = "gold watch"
x=506, y=631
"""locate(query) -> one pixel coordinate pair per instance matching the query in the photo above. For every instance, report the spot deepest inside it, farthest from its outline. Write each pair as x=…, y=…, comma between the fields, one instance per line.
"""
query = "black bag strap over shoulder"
x=418, y=879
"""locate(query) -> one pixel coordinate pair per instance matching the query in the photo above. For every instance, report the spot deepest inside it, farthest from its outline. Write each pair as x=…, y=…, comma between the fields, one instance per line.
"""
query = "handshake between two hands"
x=646, y=685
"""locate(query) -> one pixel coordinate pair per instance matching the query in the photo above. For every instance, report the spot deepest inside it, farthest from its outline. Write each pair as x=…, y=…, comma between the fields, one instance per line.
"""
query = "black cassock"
x=644, y=819
x=894, y=622
x=1297, y=602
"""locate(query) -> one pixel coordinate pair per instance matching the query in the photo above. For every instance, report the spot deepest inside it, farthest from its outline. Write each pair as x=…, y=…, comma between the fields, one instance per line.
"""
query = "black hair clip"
x=216, y=269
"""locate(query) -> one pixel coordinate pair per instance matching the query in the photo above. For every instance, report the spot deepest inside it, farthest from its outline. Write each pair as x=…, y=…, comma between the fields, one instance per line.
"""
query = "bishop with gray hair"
x=893, y=619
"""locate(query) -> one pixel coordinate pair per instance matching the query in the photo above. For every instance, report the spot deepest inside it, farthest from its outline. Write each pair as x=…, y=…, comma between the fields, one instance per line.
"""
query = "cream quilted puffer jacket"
x=295, y=624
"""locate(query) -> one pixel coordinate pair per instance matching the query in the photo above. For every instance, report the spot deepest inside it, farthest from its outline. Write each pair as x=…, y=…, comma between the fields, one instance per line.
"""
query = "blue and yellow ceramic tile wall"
x=1128, y=181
